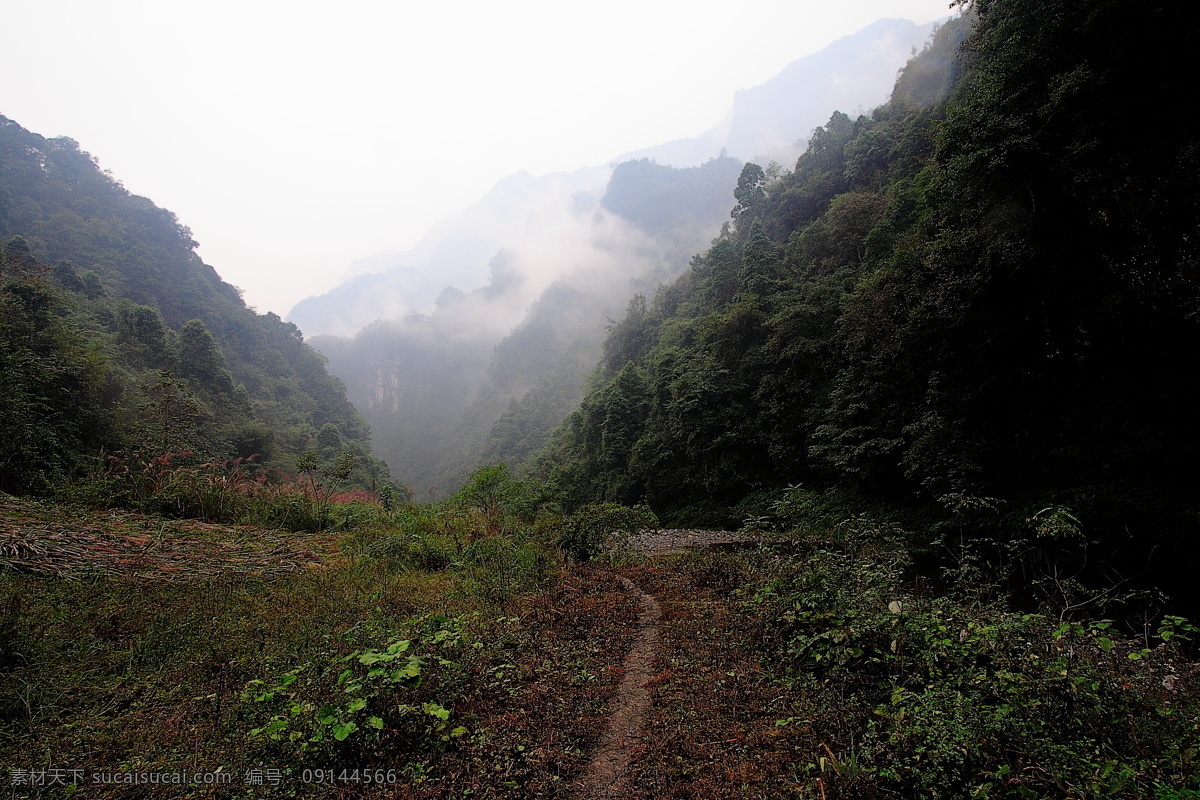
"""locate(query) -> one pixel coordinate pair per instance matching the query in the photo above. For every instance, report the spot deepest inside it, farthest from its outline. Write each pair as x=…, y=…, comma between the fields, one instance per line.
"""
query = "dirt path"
x=606, y=773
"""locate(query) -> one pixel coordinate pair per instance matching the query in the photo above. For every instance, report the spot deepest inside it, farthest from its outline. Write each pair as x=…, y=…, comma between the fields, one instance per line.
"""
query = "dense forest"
x=118, y=345
x=979, y=301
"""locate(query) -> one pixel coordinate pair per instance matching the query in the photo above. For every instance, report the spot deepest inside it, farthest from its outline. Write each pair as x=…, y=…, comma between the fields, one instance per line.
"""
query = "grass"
x=453, y=653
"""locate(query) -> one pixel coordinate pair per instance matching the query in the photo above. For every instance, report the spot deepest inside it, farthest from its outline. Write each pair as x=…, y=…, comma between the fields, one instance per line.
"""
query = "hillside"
x=103, y=290
x=976, y=304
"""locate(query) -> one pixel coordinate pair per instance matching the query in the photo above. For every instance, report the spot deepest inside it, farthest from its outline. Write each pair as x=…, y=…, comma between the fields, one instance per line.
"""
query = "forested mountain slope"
x=116, y=336
x=982, y=296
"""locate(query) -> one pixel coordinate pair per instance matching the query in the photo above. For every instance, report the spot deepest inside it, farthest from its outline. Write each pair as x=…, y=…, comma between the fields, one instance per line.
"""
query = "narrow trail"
x=606, y=773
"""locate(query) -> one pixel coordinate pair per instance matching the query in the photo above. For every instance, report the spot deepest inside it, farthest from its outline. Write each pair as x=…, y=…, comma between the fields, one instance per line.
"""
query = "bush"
x=503, y=503
x=796, y=508
x=593, y=529
x=950, y=699
x=991, y=703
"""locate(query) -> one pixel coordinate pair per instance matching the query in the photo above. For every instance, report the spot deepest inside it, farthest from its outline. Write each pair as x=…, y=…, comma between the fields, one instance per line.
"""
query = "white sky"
x=295, y=137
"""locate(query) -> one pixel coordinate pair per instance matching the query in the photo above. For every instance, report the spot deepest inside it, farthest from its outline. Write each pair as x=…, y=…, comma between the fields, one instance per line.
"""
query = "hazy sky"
x=295, y=137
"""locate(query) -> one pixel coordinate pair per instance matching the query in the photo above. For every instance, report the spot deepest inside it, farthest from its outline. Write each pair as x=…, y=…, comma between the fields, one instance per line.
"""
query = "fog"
x=432, y=384
x=510, y=298
x=297, y=138
x=525, y=216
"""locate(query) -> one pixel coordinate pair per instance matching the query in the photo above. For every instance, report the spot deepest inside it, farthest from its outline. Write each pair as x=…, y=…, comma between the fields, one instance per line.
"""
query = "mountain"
x=771, y=122
x=478, y=370
x=150, y=349
x=453, y=254
x=765, y=122
x=974, y=309
x=535, y=374
x=432, y=385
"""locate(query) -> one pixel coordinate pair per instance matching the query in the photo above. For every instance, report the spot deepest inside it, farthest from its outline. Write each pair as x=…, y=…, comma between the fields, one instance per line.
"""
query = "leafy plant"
x=377, y=694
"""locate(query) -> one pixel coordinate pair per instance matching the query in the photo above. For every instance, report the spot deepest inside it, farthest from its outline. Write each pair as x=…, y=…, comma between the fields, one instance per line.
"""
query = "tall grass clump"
x=181, y=485
x=485, y=535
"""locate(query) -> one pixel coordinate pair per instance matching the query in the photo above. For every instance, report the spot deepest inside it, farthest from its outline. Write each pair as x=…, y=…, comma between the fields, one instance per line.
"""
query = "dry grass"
x=42, y=540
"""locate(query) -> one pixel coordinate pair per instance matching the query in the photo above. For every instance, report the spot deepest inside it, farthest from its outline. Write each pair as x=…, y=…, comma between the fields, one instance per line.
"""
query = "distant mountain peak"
x=772, y=121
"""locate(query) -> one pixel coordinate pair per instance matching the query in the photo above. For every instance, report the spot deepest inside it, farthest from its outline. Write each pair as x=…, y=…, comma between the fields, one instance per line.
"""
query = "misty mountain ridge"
x=772, y=121
x=453, y=253
x=435, y=384
x=483, y=367
x=768, y=122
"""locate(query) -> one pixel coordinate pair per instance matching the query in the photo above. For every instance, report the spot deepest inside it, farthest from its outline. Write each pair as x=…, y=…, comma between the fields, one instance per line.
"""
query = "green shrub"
x=996, y=704
x=951, y=699
x=503, y=503
x=593, y=529
x=797, y=508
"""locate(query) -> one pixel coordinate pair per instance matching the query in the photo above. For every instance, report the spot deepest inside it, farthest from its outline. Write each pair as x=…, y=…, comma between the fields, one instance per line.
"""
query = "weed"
x=955, y=698
x=502, y=567
x=380, y=697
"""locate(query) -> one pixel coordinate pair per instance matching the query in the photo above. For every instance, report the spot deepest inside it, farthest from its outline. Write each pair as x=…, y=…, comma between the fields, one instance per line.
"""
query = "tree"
x=50, y=379
x=200, y=358
x=176, y=415
x=145, y=337
x=329, y=438
x=722, y=263
x=760, y=262
x=751, y=194
x=16, y=258
x=624, y=416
